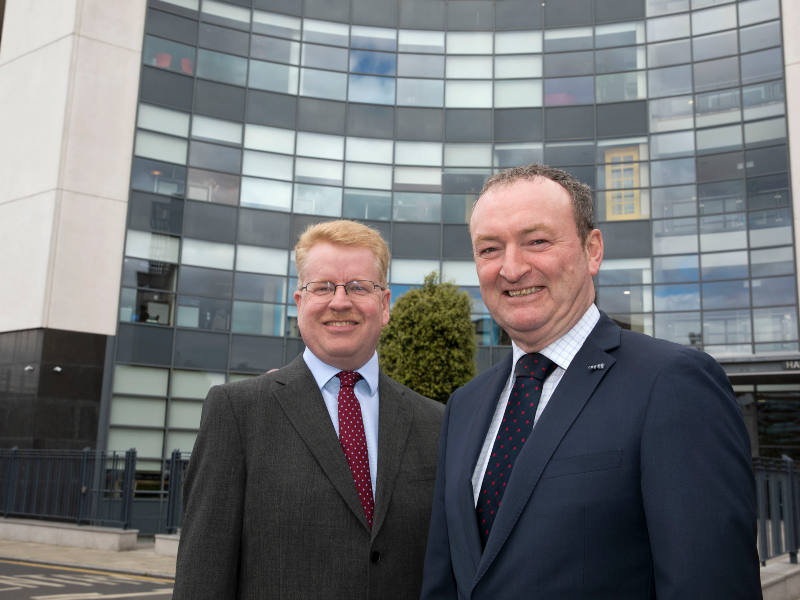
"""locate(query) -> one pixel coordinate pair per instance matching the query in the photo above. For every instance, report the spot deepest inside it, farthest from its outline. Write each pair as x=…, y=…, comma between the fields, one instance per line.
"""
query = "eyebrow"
x=528, y=230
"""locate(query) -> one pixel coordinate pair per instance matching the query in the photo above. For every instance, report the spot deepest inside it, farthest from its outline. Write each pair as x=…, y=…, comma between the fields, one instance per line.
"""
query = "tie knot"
x=349, y=378
x=535, y=365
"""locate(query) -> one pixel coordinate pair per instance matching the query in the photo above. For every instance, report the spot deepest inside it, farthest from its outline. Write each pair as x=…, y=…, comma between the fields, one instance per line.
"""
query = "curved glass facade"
x=257, y=120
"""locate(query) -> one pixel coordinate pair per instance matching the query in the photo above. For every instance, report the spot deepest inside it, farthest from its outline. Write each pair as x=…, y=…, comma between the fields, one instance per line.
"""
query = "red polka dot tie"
x=353, y=440
x=516, y=427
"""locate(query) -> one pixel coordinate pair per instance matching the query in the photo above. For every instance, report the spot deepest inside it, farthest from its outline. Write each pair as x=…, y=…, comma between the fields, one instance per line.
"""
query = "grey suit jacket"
x=271, y=510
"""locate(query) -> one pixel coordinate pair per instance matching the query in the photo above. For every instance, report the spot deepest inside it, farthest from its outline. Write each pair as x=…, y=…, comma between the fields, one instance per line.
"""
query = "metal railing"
x=777, y=495
x=178, y=463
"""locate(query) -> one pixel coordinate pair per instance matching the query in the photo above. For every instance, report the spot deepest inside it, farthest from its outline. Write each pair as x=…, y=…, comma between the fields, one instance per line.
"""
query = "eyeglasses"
x=360, y=288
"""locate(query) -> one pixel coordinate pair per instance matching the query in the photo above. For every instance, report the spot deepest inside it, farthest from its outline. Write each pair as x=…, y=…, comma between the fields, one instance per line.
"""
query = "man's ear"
x=594, y=251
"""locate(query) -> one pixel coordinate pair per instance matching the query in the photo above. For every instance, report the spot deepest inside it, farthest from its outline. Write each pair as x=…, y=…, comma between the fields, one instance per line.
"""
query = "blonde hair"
x=345, y=233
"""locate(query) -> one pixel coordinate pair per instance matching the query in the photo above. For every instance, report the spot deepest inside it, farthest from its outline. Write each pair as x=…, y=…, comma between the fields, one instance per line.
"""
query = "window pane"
x=764, y=100
x=168, y=55
x=680, y=328
x=151, y=246
x=759, y=66
x=713, y=19
x=775, y=261
x=375, y=63
x=770, y=228
x=625, y=271
x=148, y=274
x=621, y=86
x=255, y=259
x=417, y=207
x=515, y=67
x=724, y=265
x=683, y=296
x=716, y=74
x=467, y=155
x=362, y=204
x=160, y=147
x=717, y=108
x=517, y=42
x=571, y=90
x=138, y=411
x=317, y=200
x=271, y=139
x=420, y=65
x=264, y=193
x=428, y=42
x=207, y=254
x=760, y=36
x=144, y=381
x=723, y=232
x=273, y=77
x=275, y=50
x=163, y=120
x=672, y=145
x=715, y=46
x=469, y=67
x=679, y=201
x=262, y=164
x=569, y=63
x=619, y=59
x=417, y=179
x=145, y=306
x=276, y=24
x=457, y=208
x=460, y=271
x=323, y=84
x=664, y=7
x=721, y=196
x=775, y=324
x=196, y=281
x=310, y=170
x=204, y=313
x=669, y=269
x=215, y=157
x=667, y=28
x=719, y=139
x=227, y=14
x=671, y=172
x=579, y=38
x=420, y=92
x=670, y=81
x=756, y=11
x=518, y=93
x=324, y=32
x=373, y=38
x=184, y=415
x=671, y=114
x=727, y=327
x=260, y=288
x=206, y=128
x=367, y=150
x=468, y=94
x=221, y=67
x=774, y=291
x=675, y=236
x=320, y=145
x=512, y=155
x=374, y=90
x=619, y=34
x=324, y=57
x=469, y=42
x=669, y=53
x=627, y=299
x=260, y=319
x=726, y=294
x=765, y=133
x=412, y=271
x=768, y=192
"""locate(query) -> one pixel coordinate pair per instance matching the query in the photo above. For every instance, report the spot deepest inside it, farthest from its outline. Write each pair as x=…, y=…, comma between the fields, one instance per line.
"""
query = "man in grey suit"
x=316, y=480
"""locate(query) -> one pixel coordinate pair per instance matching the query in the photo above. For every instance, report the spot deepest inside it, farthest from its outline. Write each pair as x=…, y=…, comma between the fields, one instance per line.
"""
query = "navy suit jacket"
x=635, y=484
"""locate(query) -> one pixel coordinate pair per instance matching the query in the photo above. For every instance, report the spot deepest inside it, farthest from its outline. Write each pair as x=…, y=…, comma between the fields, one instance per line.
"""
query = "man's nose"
x=515, y=267
x=340, y=299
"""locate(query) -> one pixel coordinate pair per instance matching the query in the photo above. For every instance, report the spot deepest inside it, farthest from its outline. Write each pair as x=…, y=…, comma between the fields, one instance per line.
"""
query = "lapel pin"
x=596, y=367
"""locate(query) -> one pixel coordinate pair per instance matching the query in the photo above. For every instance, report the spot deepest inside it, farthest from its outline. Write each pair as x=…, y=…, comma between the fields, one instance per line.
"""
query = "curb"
x=170, y=576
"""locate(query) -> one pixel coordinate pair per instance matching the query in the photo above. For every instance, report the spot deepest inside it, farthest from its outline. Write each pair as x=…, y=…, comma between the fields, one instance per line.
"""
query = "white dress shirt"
x=561, y=352
x=366, y=391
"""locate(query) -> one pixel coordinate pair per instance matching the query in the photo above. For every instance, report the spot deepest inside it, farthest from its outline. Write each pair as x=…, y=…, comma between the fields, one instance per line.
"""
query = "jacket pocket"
x=584, y=463
x=421, y=473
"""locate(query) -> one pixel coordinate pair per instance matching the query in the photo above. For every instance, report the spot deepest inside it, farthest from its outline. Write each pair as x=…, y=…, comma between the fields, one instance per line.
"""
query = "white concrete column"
x=69, y=79
x=790, y=10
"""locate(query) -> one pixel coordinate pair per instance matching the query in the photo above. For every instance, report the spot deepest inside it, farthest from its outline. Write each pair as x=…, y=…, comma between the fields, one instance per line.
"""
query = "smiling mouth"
x=525, y=292
x=340, y=323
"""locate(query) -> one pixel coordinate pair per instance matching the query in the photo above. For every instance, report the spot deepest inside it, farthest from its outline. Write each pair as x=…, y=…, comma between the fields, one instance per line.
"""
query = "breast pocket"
x=421, y=474
x=584, y=463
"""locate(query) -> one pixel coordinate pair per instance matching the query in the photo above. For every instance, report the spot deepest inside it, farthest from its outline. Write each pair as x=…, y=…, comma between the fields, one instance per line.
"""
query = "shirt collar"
x=323, y=372
x=564, y=349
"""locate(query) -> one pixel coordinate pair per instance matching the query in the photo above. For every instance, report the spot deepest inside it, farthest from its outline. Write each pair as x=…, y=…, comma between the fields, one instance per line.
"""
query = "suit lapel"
x=573, y=392
x=394, y=424
x=301, y=401
x=485, y=403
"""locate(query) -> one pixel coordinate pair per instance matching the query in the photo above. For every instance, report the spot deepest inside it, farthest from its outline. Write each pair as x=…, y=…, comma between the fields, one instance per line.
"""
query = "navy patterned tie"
x=531, y=371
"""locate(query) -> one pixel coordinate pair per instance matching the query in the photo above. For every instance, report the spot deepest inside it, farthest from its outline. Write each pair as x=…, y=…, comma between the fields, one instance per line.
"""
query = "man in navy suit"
x=635, y=481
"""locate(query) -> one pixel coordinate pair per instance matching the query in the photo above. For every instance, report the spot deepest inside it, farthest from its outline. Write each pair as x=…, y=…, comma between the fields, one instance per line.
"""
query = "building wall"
x=69, y=72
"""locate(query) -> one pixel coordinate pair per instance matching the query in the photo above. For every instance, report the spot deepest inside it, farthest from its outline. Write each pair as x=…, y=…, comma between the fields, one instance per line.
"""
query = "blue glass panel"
x=726, y=294
x=374, y=63
x=684, y=296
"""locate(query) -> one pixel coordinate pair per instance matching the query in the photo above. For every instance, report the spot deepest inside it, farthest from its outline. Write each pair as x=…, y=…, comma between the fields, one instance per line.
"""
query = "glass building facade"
x=257, y=118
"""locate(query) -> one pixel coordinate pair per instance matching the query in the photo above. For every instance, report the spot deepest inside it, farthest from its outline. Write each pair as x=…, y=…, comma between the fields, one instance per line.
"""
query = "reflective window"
x=276, y=24
x=671, y=114
x=775, y=261
x=420, y=65
x=770, y=227
x=719, y=139
x=579, y=38
x=679, y=201
x=713, y=19
x=757, y=11
x=469, y=67
x=723, y=232
x=275, y=50
x=717, y=108
x=217, y=130
x=759, y=66
x=412, y=271
x=619, y=34
x=775, y=324
x=724, y=265
x=226, y=14
x=467, y=155
x=264, y=193
x=320, y=145
x=518, y=93
x=760, y=36
x=318, y=200
x=457, y=208
x=726, y=294
x=194, y=384
x=367, y=204
x=197, y=281
x=143, y=381
x=367, y=150
x=620, y=59
x=160, y=147
x=569, y=63
x=765, y=133
x=361, y=175
x=323, y=84
x=373, y=38
x=763, y=100
x=576, y=153
x=310, y=170
x=667, y=28
x=157, y=177
x=665, y=7
x=672, y=145
x=620, y=87
x=270, y=139
x=164, y=54
x=375, y=63
x=680, y=328
x=268, y=261
x=148, y=274
x=774, y=291
x=418, y=153
x=417, y=207
x=468, y=94
x=715, y=46
x=374, y=90
x=511, y=155
x=670, y=81
x=273, y=77
x=142, y=306
x=257, y=318
x=625, y=299
x=625, y=271
x=515, y=67
x=771, y=191
x=571, y=90
x=727, y=327
x=221, y=67
x=263, y=164
x=428, y=42
x=259, y=288
x=472, y=42
x=207, y=254
x=420, y=92
x=675, y=236
x=716, y=74
x=324, y=32
x=324, y=57
x=669, y=53
x=204, y=313
x=163, y=120
x=721, y=196
x=681, y=296
x=671, y=269
x=671, y=172
x=517, y=42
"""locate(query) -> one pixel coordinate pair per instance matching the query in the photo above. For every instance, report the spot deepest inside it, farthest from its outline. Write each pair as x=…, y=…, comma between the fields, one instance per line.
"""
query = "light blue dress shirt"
x=366, y=391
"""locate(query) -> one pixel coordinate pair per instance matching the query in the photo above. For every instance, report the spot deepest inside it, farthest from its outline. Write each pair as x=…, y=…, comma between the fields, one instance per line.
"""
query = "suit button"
x=375, y=557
